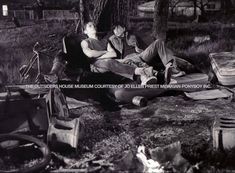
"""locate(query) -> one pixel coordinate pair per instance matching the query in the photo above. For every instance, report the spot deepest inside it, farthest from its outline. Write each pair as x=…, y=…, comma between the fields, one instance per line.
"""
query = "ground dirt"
x=165, y=120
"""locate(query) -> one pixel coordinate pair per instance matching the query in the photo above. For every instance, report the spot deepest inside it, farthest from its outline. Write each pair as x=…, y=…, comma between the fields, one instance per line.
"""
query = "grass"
x=17, y=44
x=198, y=53
x=133, y=127
x=181, y=40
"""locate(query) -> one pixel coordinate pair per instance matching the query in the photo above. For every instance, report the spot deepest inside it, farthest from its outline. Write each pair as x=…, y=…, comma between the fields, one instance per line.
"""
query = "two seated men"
x=121, y=55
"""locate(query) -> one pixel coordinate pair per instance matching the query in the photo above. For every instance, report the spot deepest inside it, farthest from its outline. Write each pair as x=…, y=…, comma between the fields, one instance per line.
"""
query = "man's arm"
x=89, y=52
x=137, y=48
x=133, y=41
x=109, y=54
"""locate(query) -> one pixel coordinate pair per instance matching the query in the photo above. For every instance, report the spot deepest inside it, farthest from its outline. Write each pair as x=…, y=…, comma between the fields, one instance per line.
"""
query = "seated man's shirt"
x=94, y=44
x=99, y=45
x=125, y=47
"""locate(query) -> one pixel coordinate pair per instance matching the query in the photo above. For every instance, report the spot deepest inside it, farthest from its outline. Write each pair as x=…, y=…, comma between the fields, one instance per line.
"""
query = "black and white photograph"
x=106, y=86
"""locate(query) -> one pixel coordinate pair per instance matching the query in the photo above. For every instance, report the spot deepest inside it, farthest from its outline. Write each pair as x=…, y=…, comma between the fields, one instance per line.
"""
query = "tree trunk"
x=195, y=9
x=120, y=11
x=233, y=3
x=160, y=19
x=227, y=6
x=110, y=12
x=172, y=12
x=80, y=13
x=99, y=8
x=202, y=8
x=91, y=10
x=84, y=14
x=105, y=12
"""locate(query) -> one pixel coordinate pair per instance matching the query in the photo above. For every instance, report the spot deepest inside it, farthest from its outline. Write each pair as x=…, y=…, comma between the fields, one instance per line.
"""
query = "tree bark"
x=233, y=3
x=80, y=13
x=120, y=10
x=202, y=8
x=227, y=6
x=105, y=12
x=93, y=10
x=195, y=9
x=160, y=19
x=108, y=12
x=99, y=8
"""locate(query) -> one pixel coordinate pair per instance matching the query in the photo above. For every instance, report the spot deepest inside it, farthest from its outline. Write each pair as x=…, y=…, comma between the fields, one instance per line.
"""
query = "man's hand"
x=138, y=50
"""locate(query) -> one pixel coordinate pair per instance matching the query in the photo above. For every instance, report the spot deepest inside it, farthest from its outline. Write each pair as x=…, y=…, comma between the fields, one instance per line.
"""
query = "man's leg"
x=128, y=71
x=134, y=59
x=157, y=49
x=110, y=65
